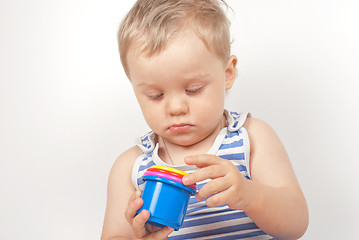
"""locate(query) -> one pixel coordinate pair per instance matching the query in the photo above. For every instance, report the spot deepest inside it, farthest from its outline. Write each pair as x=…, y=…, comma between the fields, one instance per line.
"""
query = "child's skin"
x=181, y=93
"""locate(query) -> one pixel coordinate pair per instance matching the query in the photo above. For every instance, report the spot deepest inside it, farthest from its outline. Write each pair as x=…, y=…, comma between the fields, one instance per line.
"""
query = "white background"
x=67, y=110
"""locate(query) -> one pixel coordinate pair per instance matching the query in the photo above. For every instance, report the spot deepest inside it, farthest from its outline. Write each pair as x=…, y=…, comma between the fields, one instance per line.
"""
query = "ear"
x=231, y=71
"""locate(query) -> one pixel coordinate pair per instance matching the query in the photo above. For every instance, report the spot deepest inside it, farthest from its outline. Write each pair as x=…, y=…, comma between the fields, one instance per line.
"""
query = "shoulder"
x=269, y=161
x=128, y=155
x=260, y=133
x=255, y=124
x=124, y=163
x=120, y=174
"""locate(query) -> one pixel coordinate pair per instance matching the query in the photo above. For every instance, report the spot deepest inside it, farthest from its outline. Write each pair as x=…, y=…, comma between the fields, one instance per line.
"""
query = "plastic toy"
x=165, y=196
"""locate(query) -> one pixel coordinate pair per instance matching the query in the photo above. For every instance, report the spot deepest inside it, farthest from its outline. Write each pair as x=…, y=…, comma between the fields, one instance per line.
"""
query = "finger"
x=209, y=172
x=138, y=224
x=135, y=195
x=134, y=204
x=215, y=186
x=151, y=228
x=203, y=160
x=219, y=199
x=163, y=233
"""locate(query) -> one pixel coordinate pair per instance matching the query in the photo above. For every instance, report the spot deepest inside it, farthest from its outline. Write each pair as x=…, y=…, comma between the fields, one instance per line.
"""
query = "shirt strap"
x=236, y=120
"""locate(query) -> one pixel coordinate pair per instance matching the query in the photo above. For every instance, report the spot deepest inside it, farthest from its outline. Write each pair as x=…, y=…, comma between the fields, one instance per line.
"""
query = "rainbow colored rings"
x=168, y=169
x=165, y=196
x=169, y=173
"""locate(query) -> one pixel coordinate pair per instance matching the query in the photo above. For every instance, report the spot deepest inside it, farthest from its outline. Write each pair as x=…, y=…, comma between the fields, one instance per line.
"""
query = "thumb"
x=162, y=234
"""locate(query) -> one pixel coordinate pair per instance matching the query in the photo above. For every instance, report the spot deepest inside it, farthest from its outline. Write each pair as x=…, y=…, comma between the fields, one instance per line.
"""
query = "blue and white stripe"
x=202, y=222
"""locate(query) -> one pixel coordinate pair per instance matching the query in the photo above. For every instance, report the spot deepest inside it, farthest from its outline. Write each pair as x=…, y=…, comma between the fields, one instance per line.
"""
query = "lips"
x=180, y=127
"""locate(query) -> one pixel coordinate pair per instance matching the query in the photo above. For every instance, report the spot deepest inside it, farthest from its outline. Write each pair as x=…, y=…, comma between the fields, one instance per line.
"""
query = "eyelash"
x=157, y=96
x=189, y=91
x=196, y=90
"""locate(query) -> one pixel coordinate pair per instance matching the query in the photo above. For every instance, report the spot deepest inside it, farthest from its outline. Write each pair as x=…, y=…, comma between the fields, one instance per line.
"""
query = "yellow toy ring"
x=170, y=169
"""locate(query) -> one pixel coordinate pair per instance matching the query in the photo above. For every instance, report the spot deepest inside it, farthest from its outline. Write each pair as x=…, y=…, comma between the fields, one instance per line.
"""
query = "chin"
x=186, y=142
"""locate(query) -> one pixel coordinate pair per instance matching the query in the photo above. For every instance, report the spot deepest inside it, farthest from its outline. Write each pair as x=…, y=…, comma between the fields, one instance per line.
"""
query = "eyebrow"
x=144, y=84
x=199, y=77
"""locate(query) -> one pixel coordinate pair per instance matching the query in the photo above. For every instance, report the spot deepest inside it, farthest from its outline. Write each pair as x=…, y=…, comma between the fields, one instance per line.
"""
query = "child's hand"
x=228, y=186
x=140, y=229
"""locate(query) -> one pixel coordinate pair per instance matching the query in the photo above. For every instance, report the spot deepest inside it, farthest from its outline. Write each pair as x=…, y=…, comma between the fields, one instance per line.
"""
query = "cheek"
x=151, y=118
x=145, y=107
x=152, y=113
x=210, y=108
x=144, y=103
x=214, y=99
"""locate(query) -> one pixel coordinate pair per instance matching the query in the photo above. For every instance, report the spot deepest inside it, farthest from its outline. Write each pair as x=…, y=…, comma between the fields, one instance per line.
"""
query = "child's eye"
x=156, y=96
x=194, y=90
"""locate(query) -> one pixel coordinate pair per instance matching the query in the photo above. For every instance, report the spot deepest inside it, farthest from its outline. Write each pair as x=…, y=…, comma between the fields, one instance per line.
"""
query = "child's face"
x=181, y=90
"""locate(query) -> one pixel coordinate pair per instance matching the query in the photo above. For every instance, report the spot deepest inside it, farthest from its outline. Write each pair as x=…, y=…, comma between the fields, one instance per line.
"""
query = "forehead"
x=185, y=54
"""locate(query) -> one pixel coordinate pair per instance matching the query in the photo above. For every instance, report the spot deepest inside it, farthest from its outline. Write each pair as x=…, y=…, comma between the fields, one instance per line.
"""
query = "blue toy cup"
x=166, y=200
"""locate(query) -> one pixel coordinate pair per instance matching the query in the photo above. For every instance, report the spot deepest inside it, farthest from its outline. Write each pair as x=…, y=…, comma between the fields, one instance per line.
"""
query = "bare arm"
x=119, y=190
x=273, y=199
x=277, y=204
x=123, y=202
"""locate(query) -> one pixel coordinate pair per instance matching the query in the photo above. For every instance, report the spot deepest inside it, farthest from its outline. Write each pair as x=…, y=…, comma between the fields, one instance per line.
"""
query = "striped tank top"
x=202, y=222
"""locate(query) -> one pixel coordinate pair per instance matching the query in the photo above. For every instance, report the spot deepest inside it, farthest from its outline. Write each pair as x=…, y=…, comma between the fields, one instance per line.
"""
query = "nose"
x=177, y=105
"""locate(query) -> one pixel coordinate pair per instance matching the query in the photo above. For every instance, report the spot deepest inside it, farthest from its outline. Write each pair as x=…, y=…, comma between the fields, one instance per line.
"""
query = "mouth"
x=180, y=127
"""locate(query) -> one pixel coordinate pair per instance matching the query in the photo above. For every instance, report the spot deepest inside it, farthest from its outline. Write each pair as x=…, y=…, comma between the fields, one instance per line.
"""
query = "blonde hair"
x=151, y=23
